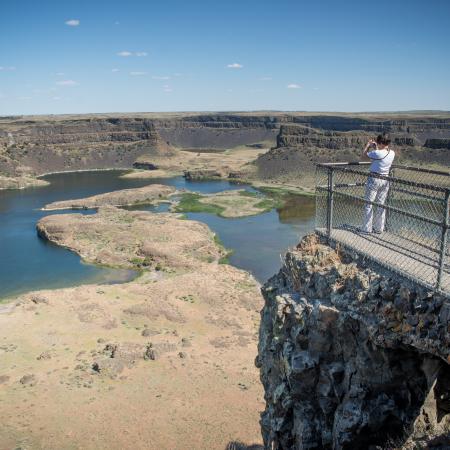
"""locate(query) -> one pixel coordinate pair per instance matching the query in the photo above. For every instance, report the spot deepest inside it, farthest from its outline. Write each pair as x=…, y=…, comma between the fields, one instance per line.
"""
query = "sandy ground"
x=233, y=160
x=163, y=362
x=140, y=174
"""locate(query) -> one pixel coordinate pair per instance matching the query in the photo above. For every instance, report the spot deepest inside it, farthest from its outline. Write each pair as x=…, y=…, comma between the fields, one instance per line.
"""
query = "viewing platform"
x=415, y=242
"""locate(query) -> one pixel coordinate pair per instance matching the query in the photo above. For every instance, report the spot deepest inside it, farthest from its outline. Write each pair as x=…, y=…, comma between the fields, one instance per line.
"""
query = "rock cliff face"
x=350, y=357
x=331, y=139
x=438, y=143
x=294, y=136
x=411, y=124
x=35, y=145
x=39, y=145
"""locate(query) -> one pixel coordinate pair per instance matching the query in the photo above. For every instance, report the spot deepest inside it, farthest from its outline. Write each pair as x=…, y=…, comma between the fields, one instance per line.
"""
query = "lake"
x=28, y=262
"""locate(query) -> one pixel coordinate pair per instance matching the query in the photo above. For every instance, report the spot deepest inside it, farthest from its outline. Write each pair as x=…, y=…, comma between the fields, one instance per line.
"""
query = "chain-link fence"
x=409, y=210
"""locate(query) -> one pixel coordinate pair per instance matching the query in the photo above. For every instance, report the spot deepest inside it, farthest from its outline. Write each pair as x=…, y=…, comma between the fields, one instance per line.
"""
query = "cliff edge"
x=352, y=358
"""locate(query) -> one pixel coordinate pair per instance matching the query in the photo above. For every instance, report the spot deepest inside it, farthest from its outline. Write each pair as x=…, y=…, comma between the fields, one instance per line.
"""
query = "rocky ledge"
x=351, y=358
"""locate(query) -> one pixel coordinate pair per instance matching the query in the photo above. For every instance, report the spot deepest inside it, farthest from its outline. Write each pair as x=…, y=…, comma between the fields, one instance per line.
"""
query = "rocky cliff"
x=42, y=144
x=350, y=357
x=36, y=145
x=294, y=136
x=331, y=139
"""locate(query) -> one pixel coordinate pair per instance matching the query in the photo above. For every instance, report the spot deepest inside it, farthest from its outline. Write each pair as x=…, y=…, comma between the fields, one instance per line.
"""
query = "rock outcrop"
x=438, y=143
x=302, y=144
x=350, y=357
x=294, y=135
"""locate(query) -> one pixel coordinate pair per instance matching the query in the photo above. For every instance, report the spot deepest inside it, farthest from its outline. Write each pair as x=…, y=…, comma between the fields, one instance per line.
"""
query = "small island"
x=147, y=195
x=233, y=203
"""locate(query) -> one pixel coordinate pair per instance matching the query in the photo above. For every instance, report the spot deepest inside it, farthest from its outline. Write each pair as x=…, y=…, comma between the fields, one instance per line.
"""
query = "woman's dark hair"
x=383, y=139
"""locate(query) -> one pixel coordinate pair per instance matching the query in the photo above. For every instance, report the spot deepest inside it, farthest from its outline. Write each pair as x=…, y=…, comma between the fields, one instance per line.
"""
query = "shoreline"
x=257, y=184
x=110, y=169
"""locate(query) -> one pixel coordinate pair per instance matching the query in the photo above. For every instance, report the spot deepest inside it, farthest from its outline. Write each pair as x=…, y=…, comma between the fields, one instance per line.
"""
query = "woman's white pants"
x=376, y=191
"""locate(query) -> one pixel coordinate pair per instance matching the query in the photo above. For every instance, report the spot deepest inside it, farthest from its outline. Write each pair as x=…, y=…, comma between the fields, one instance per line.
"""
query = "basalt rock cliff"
x=38, y=144
x=351, y=357
x=307, y=141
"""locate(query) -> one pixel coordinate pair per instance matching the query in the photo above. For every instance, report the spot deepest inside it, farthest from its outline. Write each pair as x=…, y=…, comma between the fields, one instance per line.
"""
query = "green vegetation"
x=248, y=194
x=139, y=262
x=238, y=203
x=187, y=298
x=190, y=202
x=225, y=259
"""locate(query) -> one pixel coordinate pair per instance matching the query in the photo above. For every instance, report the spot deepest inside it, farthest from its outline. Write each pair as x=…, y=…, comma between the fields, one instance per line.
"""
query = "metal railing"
x=415, y=240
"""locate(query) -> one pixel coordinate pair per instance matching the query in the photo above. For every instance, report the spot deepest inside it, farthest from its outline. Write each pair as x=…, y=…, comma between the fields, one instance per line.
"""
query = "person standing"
x=382, y=157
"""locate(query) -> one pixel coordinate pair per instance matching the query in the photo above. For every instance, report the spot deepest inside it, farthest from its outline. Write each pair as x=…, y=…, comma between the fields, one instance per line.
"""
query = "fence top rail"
x=341, y=167
x=394, y=166
x=421, y=169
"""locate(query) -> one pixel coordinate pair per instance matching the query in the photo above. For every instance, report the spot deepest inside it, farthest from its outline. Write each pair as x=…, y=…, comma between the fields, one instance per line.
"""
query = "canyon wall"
x=300, y=147
x=35, y=145
x=39, y=145
x=351, y=357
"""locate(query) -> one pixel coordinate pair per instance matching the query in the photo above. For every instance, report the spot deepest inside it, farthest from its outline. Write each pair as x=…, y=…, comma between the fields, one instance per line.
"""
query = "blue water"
x=28, y=262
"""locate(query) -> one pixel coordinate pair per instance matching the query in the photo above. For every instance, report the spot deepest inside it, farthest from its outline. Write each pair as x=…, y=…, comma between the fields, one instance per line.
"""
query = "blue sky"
x=172, y=55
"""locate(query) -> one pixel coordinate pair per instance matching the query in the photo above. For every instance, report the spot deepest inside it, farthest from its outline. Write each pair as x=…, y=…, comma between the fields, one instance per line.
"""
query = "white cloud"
x=293, y=86
x=59, y=74
x=137, y=74
x=235, y=66
x=25, y=98
x=114, y=70
x=72, y=22
x=266, y=79
x=161, y=78
x=56, y=98
x=315, y=89
x=7, y=68
x=67, y=83
x=127, y=53
x=167, y=88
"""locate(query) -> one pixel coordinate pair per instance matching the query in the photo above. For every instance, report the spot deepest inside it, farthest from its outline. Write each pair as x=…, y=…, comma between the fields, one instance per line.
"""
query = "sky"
x=79, y=56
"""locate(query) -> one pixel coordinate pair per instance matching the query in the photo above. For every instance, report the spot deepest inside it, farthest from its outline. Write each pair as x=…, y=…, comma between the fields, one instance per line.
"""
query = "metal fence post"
x=390, y=196
x=445, y=227
x=330, y=201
